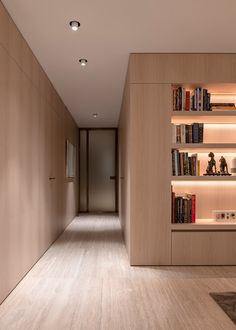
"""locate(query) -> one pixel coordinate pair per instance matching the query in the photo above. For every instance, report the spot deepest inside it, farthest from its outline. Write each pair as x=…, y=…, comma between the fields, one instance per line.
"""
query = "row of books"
x=183, y=209
x=192, y=133
x=185, y=164
x=197, y=100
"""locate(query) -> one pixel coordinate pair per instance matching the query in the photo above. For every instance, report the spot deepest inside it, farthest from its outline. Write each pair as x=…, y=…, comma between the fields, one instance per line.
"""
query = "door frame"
x=87, y=129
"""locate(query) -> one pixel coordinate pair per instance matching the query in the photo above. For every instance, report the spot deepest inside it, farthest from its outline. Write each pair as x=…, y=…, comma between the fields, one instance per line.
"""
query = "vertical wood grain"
x=34, y=125
x=124, y=166
x=150, y=174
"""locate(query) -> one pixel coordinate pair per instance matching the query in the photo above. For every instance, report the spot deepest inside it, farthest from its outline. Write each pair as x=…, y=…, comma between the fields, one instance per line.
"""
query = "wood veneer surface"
x=34, y=124
x=182, y=68
x=150, y=174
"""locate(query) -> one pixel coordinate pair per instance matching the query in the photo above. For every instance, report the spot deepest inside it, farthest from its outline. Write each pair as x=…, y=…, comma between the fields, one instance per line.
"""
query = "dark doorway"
x=98, y=170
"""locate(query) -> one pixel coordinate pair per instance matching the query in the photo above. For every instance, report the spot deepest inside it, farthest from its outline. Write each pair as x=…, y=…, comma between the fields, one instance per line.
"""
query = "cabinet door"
x=150, y=169
x=204, y=248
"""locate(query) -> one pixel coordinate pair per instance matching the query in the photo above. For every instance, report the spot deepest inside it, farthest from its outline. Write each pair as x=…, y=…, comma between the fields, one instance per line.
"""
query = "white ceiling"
x=110, y=30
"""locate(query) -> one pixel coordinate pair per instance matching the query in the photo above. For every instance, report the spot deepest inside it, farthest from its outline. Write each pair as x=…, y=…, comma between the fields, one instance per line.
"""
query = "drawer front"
x=204, y=248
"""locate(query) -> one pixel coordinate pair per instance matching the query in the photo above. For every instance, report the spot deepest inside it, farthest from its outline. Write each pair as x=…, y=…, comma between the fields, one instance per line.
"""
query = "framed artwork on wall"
x=70, y=160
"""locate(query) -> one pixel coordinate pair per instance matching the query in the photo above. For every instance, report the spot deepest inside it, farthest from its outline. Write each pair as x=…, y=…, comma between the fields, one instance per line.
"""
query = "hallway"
x=84, y=282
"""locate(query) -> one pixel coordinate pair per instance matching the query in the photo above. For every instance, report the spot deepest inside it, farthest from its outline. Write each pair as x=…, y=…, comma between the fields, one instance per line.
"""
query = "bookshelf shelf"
x=207, y=117
x=204, y=178
x=205, y=147
x=206, y=224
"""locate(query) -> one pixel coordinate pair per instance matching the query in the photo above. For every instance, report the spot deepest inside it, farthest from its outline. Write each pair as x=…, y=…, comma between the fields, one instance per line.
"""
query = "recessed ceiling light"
x=83, y=61
x=95, y=115
x=74, y=25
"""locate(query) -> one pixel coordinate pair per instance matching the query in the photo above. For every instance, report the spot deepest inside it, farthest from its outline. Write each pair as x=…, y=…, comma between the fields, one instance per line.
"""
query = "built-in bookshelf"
x=146, y=144
x=216, y=192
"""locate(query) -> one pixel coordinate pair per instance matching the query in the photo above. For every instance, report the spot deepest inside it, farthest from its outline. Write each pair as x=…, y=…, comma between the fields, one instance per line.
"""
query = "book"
x=193, y=204
x=195, y=100
x=183, y=208
x=187, y=102
x=184, y=164
x=172, y=205
x=190, y=133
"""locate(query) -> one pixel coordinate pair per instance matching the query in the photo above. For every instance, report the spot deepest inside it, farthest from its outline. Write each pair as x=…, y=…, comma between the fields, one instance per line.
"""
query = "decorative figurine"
x=211, y=168
x=223, y=166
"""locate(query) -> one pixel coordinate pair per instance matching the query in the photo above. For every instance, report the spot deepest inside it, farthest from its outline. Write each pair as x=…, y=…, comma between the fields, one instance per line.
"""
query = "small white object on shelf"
x=233, y=167
x=224, y=215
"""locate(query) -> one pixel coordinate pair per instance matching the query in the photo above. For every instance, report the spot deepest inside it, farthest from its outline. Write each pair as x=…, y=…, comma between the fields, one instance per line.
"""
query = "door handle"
x=52, y=178
x=112, y=177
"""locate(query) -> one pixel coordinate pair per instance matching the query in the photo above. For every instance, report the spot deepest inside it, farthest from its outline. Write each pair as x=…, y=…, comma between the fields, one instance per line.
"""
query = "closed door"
x=98, y=170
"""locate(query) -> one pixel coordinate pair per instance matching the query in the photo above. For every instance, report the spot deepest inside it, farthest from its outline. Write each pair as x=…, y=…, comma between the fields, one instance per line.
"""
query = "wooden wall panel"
x=182, y=68
x=150, y=174
x=34, y=125
x=124, y=166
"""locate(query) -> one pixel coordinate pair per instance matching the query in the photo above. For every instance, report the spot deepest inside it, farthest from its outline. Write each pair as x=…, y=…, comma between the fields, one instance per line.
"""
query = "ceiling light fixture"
x=74, y=25
x=83, y=61
x=95, y=115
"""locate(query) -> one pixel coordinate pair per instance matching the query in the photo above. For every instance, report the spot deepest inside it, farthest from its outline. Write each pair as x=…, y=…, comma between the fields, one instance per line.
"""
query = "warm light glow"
x=204, y=183
x=83, y=62
x=220, y=126
x=74, y=25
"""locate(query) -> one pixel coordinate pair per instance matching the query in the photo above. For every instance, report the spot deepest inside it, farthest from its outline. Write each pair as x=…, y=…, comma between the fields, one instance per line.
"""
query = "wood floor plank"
x=84, y=281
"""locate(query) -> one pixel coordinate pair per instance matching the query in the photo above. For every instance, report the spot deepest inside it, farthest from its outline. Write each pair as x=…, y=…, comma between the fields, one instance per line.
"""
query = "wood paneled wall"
x=34, y=125
x=184, y=68
x=124, y=166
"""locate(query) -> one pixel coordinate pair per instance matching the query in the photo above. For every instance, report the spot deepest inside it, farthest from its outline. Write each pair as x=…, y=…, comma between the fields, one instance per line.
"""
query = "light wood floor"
x=84, y=281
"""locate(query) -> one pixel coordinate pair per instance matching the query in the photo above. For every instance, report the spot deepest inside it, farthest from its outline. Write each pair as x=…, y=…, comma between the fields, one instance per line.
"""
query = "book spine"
x=178, y=134
x=181, y=163
x=183, y=99
x=173, y=219
x=173, y=133
x=190, y=133
x=183, y=133
x=189, y=210
x=190, y=165
x=179, y=98
x=181, y=210
x=198, y=168
x=176, y=163
x=195, y=133
x=208, y=101
x=201, y=98
x=201, y=132
x=193, y=208
x=185, y=210
x=187, y=101
x=186, y=164
x=187, y=133
x=174, y=99
x=173, y=162
x=197, y=99
x=194, y=164
x=204, y=99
